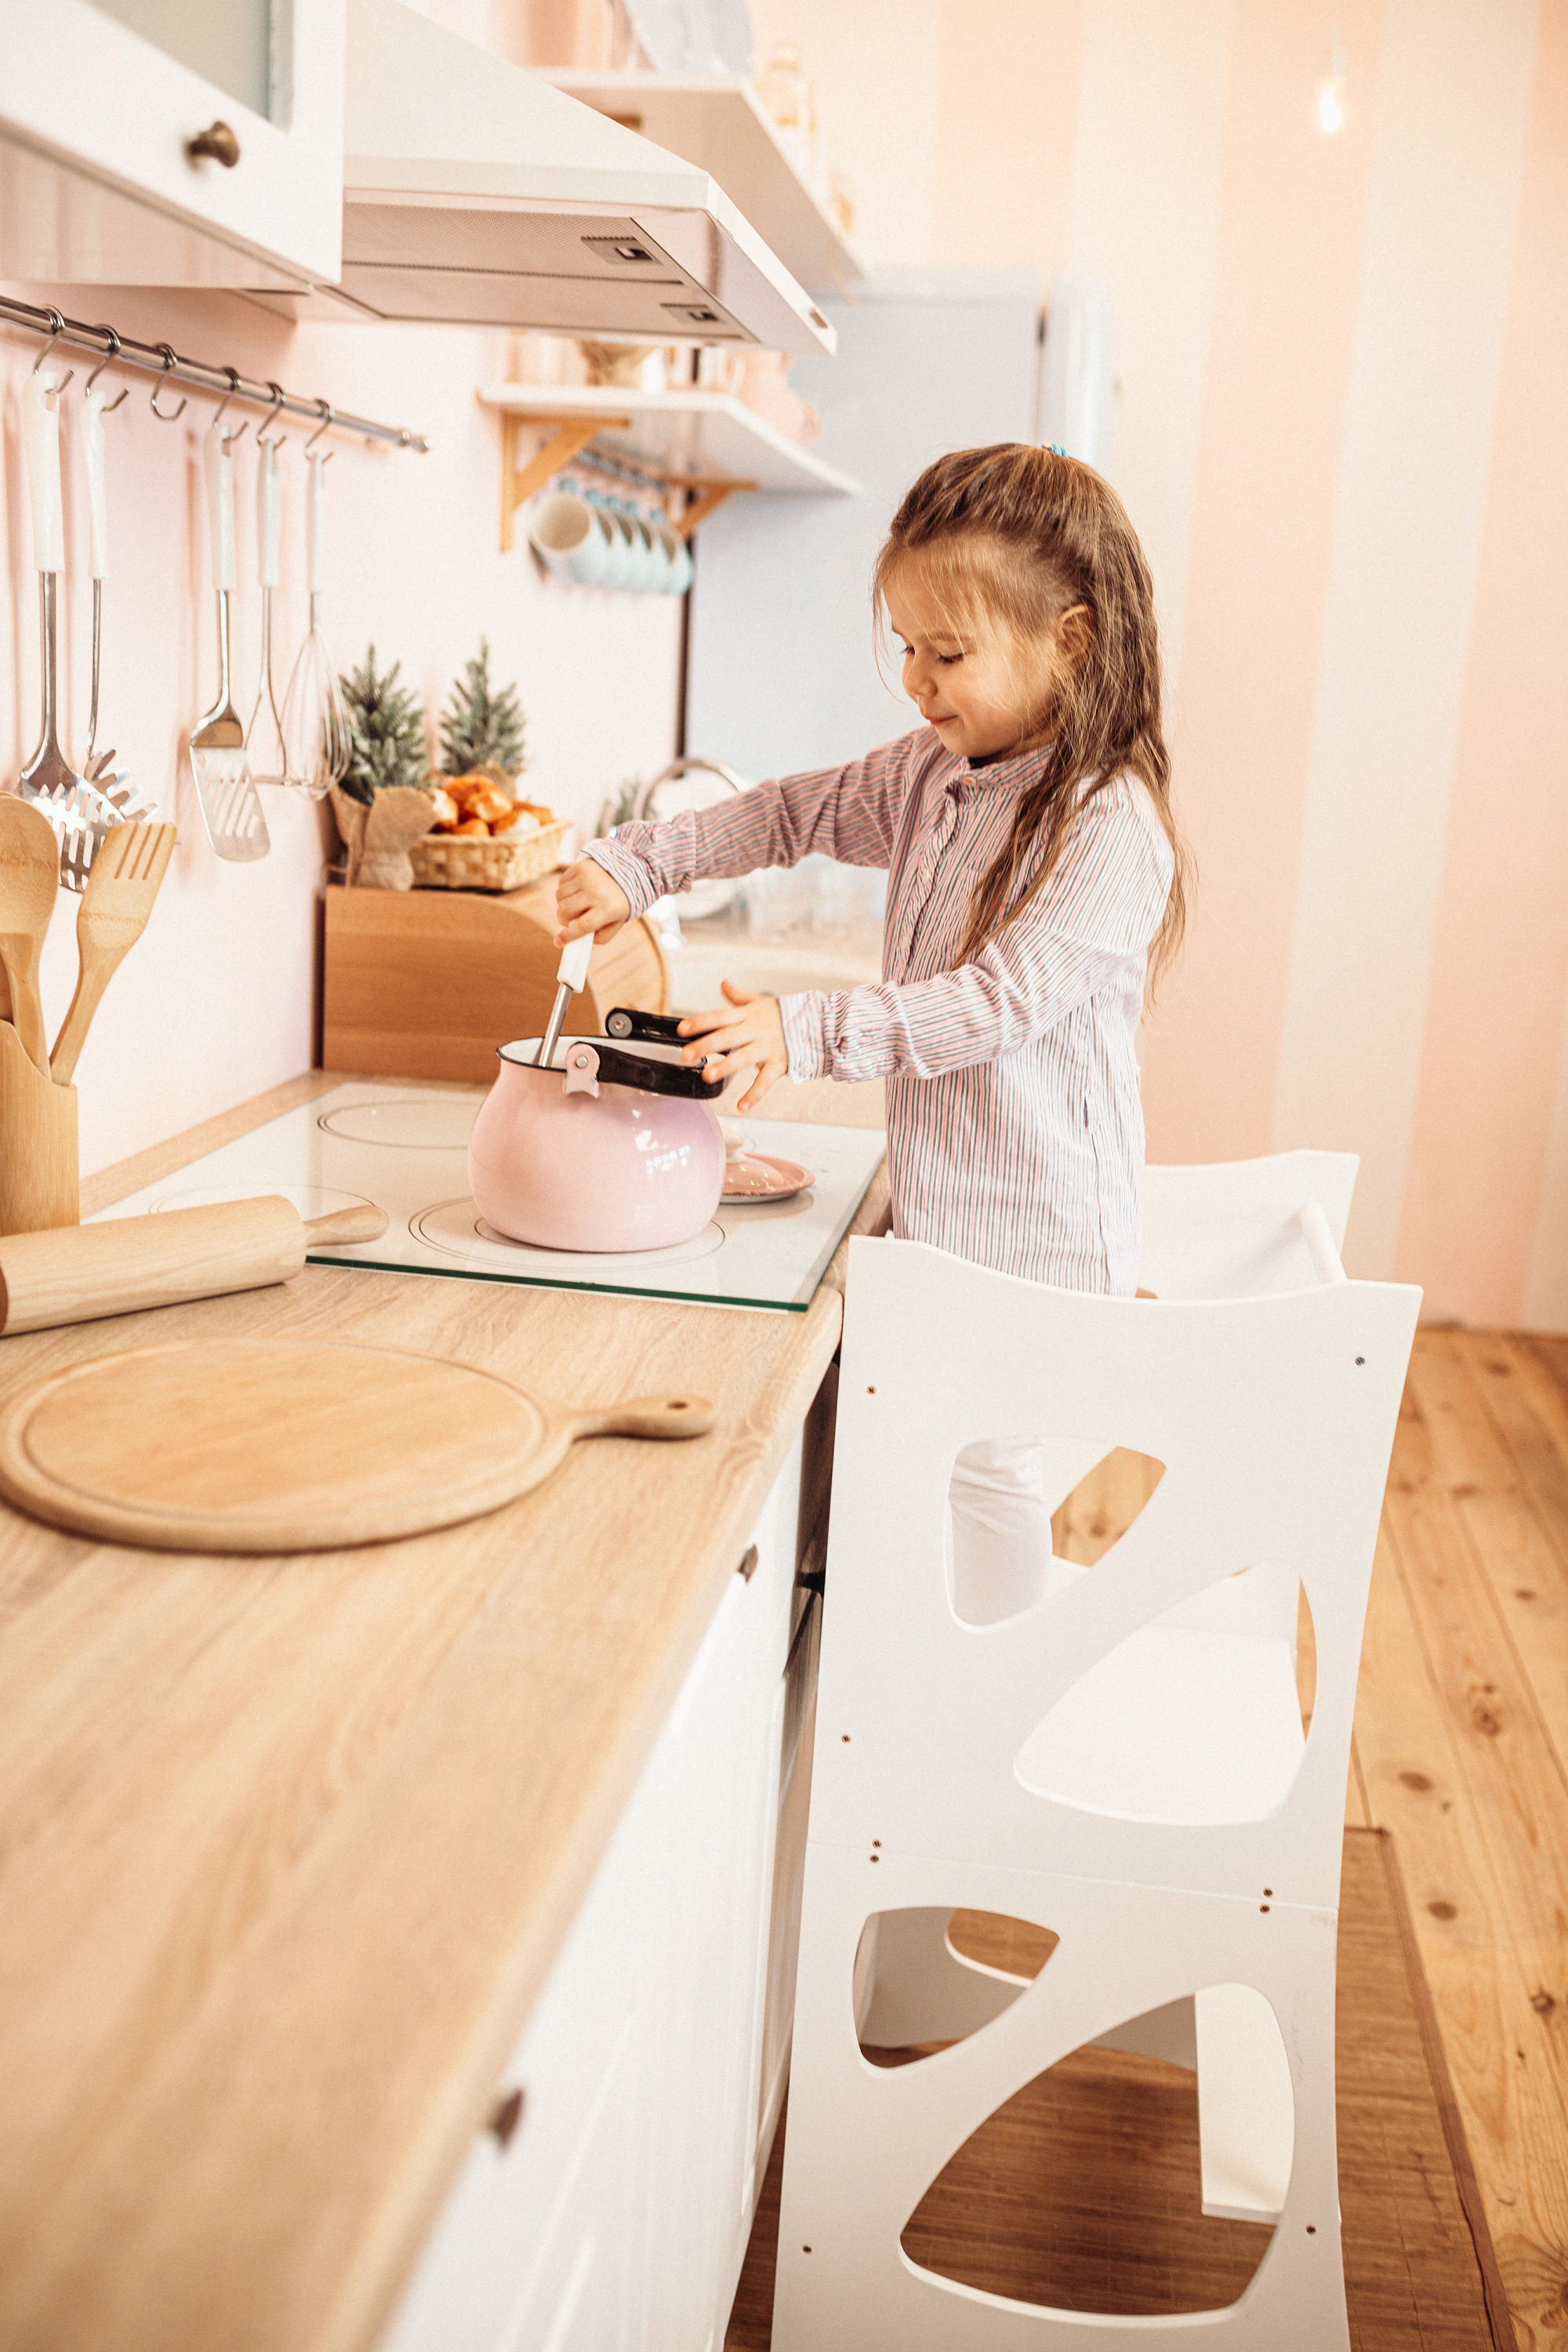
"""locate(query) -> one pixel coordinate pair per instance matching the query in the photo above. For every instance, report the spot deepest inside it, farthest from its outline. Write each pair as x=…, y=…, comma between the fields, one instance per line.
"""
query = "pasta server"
x=231, y=810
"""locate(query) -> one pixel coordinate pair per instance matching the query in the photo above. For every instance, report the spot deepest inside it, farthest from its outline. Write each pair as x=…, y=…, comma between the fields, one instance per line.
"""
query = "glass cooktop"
x=406, y=1150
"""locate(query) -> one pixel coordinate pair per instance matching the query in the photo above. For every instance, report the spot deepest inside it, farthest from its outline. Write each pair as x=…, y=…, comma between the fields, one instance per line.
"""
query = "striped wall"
x=1341, y=428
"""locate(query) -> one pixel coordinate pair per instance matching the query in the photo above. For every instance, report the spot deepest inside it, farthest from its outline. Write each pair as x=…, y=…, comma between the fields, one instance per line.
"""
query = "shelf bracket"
x=517, y=484
x=709, y=499
x=569, y=439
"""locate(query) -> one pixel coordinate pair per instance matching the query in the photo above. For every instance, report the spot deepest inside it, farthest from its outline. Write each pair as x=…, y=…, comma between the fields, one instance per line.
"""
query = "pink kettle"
x=611, y=1146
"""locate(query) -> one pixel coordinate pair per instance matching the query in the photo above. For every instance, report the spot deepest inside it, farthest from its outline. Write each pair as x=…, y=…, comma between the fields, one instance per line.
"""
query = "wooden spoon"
x=29, y=879
x=121, y=884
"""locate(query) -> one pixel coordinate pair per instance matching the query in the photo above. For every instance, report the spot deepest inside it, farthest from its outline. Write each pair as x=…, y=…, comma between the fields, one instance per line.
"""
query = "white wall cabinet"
x=100, y=105
x=617, y=2217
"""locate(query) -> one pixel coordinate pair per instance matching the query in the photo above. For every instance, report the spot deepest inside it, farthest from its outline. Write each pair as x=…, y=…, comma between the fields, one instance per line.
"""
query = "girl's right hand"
x=586, y=900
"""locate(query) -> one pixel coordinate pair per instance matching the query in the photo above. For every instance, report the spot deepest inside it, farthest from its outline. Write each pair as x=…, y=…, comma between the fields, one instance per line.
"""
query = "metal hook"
x=325, y=407
x=171, y=358
x=229, y=440
x=57, y=329
x=111, y=354
x=279, y=397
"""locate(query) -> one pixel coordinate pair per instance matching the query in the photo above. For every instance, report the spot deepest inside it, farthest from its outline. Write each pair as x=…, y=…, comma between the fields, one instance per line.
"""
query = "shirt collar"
x=1012, y=774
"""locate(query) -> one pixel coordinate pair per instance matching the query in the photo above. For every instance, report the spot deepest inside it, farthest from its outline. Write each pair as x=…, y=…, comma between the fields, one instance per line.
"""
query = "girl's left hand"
x=751, y=1036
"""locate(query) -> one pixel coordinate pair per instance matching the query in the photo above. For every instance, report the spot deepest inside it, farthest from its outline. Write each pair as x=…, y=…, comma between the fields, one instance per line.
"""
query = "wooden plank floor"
x=1461, y=1750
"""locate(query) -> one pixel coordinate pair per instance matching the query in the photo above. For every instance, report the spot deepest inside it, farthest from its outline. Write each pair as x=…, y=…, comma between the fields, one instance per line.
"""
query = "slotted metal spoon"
x=230, y=808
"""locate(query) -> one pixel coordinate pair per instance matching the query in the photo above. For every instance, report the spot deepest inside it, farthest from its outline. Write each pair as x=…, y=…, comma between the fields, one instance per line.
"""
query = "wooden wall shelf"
x=696, y=448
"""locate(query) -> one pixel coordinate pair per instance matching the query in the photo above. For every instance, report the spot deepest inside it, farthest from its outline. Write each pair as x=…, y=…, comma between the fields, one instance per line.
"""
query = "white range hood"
x=477, y=195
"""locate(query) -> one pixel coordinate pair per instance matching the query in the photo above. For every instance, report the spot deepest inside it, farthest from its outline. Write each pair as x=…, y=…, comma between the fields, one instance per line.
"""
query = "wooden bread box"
x=427, y=984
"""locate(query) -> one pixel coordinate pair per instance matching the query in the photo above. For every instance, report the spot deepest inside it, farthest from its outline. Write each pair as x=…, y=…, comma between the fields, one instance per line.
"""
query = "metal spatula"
x=231, y=809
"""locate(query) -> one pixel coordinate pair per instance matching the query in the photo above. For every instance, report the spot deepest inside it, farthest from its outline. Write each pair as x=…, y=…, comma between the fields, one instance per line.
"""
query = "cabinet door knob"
x=504, y=2117
x=218, y=141
x=748, y=1563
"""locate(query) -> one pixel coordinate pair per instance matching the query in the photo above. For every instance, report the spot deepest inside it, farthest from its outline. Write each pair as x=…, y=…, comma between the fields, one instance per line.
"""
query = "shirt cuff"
x=804, y=1039
x=624, y=866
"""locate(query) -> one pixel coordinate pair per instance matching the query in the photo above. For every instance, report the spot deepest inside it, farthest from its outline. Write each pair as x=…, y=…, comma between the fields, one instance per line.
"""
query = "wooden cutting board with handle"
x=219, y=1445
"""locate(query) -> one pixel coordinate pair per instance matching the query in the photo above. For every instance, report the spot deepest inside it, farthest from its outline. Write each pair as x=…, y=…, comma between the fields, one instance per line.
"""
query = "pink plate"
x=757, y=1176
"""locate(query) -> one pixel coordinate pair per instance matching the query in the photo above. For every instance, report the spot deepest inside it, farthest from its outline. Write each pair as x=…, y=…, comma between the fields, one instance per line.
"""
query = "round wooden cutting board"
x=252, y=1445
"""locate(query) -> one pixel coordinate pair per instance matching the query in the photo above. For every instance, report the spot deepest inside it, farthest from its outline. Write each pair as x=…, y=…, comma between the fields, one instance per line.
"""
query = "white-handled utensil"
x=98, y=538
x=126, y=801
x=264, y=743
x=572, y=974
x=230, y=808
x=79, y=814
x=315, y=724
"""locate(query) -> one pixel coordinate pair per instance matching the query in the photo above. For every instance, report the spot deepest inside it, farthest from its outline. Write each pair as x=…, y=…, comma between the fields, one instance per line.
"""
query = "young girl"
x=1034, y=878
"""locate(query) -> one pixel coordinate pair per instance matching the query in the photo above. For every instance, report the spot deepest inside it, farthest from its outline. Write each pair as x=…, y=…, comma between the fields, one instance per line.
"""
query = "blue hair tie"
x=1056, y=449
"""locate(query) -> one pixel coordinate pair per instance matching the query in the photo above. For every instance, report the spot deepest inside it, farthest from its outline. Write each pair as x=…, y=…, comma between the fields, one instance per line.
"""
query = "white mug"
x=654, y=577
x=677, y=559
x=571, y=540
x=625, y=567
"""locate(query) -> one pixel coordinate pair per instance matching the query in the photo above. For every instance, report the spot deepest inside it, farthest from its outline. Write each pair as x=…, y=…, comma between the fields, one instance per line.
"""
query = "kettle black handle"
x=651, y=1028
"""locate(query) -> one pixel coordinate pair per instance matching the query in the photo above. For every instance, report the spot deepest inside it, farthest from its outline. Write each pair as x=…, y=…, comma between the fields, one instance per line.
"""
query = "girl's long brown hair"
x=1025, y=534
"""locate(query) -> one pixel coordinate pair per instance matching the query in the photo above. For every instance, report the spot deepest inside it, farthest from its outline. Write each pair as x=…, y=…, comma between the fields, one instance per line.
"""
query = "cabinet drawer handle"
x=748, y=1566
x=504, y=2118
x=218, y=141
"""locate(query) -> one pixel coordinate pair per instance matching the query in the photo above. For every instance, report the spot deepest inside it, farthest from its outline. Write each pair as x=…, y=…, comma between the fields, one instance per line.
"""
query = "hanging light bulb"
x=1331, y=99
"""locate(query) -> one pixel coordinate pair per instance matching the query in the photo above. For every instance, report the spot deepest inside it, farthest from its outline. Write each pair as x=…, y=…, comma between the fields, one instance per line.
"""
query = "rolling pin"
x=78, y=1273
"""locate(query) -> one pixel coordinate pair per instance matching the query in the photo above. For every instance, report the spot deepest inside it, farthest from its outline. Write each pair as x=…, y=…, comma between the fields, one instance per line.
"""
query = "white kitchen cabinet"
x=100, y=106
x=617, y=2218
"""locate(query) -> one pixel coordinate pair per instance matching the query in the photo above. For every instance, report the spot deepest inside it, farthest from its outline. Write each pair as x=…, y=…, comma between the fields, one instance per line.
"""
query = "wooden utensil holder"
x=38, y=1187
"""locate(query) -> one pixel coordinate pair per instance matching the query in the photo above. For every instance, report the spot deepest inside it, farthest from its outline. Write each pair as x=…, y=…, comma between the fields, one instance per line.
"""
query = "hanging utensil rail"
x=114, y=350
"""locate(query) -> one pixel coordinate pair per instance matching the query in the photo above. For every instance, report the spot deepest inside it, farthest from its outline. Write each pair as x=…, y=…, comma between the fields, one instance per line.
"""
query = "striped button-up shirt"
x=1014, y=1125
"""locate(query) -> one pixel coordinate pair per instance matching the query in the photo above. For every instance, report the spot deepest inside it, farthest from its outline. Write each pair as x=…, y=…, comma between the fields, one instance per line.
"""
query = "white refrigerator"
x=781, y=671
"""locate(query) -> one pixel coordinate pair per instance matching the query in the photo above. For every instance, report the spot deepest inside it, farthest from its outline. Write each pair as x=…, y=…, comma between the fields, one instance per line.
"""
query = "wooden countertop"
x=288, y=1845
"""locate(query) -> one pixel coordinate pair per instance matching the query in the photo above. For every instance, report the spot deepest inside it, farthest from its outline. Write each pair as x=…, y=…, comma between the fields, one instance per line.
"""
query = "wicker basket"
x=457, y=861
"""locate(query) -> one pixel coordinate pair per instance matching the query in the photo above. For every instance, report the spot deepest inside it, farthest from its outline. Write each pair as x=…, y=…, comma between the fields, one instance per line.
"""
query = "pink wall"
x=1280, y=348
x=218, y=999
x=1341, y=371
x=1499, y=970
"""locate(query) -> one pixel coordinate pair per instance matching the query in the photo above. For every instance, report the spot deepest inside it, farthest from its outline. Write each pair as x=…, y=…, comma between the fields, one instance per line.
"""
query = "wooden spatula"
x=29, y=881
x=116, y=901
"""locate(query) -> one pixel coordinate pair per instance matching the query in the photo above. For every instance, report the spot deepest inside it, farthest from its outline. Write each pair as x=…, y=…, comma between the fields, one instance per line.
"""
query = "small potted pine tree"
x=486, y=837
x=482, y=726
x=384, y=803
